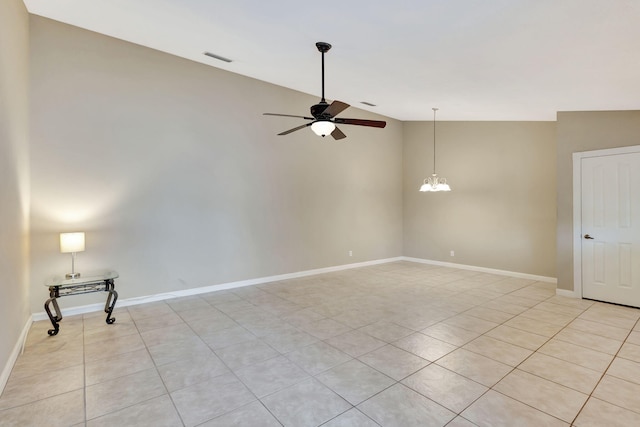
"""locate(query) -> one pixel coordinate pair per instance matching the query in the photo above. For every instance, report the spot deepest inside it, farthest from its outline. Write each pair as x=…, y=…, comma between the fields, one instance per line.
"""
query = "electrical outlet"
x=350, y=253
x=452, y=253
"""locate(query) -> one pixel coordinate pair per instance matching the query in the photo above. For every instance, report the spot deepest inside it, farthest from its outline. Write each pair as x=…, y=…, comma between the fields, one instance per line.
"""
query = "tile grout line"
x=155, y=366
x=605, y=373
x=312, y=376
x=370, y=304
x=459, y=347
x=399, y=381
x=513, y=368
x=84, y=375
x=535, y=351
x=212, y=351
x=258, y=399
x=528, y=357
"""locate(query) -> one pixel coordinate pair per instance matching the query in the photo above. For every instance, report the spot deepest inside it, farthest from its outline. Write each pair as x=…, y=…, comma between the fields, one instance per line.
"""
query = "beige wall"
x=501, y=213
x=180, y=182
x=584, y=131
x=14, y=71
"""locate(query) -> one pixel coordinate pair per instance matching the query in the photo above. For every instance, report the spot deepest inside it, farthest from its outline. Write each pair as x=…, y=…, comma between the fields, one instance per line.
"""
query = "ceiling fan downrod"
x=323, y=47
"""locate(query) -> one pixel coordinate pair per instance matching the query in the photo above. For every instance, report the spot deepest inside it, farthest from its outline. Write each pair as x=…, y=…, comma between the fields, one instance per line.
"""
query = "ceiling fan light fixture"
x=323, y=127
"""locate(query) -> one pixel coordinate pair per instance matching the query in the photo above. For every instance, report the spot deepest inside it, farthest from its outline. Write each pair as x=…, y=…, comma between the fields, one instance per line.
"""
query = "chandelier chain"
x=435, y=182
x=434, y=140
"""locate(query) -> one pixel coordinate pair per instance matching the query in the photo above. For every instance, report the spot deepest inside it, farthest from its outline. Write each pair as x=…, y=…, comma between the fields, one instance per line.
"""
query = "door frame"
x=577, y=206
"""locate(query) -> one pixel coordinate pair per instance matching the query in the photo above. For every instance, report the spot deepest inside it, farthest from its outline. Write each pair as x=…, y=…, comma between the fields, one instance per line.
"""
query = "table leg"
x=111, y=301
x=54, y=319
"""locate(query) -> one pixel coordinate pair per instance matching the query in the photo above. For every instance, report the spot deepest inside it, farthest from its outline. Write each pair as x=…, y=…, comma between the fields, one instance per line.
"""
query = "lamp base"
x=72, y=275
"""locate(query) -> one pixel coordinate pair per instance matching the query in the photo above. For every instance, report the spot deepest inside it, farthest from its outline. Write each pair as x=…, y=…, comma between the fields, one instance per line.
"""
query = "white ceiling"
x=474, y=59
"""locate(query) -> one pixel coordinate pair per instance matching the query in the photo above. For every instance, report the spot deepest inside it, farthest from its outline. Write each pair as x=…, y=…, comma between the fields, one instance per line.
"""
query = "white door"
x=611, y=228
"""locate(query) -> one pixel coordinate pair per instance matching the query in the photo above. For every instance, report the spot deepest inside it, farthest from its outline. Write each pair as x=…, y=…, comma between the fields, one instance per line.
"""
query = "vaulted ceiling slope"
x=475, y=60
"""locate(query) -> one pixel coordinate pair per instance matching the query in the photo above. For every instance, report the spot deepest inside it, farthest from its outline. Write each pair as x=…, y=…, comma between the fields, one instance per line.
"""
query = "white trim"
x=577, y=224
x=205, y=289
x=484, y=270
x=567, y=293
x=609, y=151
x=17, y=350
x=232, y=285
x=577, y=206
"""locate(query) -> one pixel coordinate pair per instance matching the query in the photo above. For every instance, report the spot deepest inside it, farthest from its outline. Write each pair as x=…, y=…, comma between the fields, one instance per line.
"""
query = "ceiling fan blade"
x=287, y=132
x=362, y=122
x=287, y=115
x=335, y=108
x=338, y=134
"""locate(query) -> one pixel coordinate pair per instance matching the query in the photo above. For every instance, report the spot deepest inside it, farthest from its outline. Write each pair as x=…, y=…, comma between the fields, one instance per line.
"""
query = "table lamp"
x=72, y=243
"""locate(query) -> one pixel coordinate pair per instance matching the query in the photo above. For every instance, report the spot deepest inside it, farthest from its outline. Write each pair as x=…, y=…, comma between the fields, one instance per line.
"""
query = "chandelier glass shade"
x=434, y=182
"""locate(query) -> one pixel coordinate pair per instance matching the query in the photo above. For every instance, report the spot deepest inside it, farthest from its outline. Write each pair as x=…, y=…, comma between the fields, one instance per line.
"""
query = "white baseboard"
x=206, y=289
x=567, y=293
x=484, y=270
x=239, y=284
x=17, y=350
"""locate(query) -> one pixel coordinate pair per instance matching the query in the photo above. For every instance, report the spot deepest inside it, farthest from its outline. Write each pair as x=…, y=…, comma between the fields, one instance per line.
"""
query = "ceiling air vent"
x=218, y=57
x=368, y=103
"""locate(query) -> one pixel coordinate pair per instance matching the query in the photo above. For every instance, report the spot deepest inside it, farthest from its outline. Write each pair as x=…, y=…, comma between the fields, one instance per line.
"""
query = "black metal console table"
x=61, y=287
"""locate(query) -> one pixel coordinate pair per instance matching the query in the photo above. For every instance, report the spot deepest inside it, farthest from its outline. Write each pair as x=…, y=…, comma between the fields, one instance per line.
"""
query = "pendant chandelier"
x=435, y=182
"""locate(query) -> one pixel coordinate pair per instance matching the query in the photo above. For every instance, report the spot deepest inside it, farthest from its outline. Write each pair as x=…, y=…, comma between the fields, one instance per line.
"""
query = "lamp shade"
x=71, y=242
x=322, y=127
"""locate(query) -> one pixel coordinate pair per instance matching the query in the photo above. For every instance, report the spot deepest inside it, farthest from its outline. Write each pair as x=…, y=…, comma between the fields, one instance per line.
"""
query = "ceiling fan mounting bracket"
x=323, y=47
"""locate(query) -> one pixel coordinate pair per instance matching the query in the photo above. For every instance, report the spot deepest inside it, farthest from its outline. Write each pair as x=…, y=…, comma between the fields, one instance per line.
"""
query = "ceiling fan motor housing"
x=318, y=110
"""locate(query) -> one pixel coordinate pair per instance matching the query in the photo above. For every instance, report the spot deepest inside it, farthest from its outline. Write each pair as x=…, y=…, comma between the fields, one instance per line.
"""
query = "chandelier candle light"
x=434, y=182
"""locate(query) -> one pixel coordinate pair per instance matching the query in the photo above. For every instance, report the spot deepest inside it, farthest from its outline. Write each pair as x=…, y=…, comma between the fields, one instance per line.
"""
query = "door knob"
x=586, y=236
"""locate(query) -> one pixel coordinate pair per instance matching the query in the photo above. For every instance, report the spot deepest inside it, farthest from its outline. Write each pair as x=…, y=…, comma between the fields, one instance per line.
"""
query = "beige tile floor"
x=398, y=344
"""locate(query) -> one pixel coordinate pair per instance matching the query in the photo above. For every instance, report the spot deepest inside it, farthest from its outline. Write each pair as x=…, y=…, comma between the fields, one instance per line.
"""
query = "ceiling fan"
x=324, y=120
